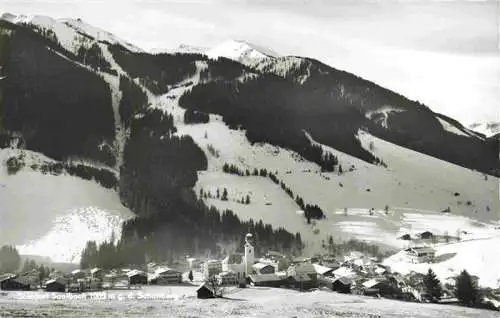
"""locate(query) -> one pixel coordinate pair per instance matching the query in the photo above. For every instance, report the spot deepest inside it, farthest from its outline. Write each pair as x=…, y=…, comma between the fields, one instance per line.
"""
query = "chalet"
x=235, y=263
x=323, y=270
x=342, y=285
x=212, y=268
x=421, y=254
x=268, y=280
x=55, y=285
x=427, y=235
x=262, y=269
x=164, y=276
x=380, y=286
x=137, y=277
x=405, y=237
x=77, y=274
x=97, y=273
x=331, y=262
x=205, y=292
x=12, y=282
x=227, y=278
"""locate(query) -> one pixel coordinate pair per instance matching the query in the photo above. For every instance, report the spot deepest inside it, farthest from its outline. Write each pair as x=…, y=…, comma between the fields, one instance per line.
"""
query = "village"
x=353, y=273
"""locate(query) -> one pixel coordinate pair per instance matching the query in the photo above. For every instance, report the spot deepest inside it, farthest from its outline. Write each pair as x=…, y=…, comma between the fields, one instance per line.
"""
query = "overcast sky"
x=445, y=54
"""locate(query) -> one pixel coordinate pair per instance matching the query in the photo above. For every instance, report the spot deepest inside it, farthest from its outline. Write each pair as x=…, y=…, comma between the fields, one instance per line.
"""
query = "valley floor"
x=180, y=301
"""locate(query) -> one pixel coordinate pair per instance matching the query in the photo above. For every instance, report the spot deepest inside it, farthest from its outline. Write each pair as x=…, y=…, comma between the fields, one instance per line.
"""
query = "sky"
x=442, y=53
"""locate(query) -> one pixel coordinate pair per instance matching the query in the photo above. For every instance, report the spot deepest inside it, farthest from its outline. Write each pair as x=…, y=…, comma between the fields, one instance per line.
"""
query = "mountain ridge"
x=168, y=111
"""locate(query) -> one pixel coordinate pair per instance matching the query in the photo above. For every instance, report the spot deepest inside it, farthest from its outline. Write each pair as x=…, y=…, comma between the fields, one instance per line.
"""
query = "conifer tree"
x=465, y=289
x=224, y=195
x=432, y=285
x=190, y=276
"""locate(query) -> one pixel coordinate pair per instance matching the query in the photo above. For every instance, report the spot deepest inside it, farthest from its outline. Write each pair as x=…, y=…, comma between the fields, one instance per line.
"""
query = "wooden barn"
x=137, y=277
x=55, y=285
x=205, y=292
x=342, y=285
x=12, y=282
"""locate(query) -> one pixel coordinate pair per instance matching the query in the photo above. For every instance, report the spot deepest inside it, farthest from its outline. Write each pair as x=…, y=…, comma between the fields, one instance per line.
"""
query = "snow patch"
x=451, y=128
x=239, y=51
x=385, y=111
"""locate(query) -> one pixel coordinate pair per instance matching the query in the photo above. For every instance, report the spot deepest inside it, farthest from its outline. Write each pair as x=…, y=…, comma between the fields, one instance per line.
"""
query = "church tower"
x=249, y=254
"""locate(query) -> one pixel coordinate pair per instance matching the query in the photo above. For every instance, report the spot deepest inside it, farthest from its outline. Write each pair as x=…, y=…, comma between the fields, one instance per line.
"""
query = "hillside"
x=155, y=131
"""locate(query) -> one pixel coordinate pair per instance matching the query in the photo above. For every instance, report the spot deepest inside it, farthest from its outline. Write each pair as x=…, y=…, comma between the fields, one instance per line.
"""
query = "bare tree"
x=217, y=289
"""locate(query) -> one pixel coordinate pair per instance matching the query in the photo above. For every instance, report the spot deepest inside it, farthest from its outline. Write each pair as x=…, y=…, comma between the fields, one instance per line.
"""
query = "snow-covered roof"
x=95, y=270
x=163, y=270
x=320, y=269
x=265, y=278
x=260, y=266
x=135, y=272
x=343, y=280
x=343, y=272
x=370, y=283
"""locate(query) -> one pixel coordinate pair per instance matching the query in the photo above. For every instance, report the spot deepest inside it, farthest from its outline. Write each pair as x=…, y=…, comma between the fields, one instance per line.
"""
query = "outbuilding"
x=342, y=285
x=205, y=292
x=13, y=283
x=55, y=285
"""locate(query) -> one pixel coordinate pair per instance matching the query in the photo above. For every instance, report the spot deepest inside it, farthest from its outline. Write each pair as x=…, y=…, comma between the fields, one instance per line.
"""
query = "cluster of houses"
x=353, y=273
x=92, y=279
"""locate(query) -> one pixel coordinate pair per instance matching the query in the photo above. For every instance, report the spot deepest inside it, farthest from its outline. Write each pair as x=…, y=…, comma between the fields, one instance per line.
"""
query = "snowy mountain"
x=183, y=48
x=488, y=129
x=71, y=33
x=108, y=131
x=240, y=51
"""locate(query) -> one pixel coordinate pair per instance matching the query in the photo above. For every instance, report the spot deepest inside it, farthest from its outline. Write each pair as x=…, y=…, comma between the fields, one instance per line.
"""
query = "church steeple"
x=249, y=254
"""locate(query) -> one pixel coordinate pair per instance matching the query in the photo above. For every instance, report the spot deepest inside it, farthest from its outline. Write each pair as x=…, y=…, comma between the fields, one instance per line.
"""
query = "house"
x=405, y=237
x=234, y=263
x=227, y=278
x=268, y=280
x=420, y=254
x=270, y=261
x=97, y=273
x=205, y=292
x=330, y=261
x=12, y=282
x=77, y=274
x=323, y=270
x=165, y=275
x=262, y=269
x=427, y=235
x=342, y=285
x=380, y=269
x=137, y=277
x=212, y=268
x=381, y=286
x=55, y=285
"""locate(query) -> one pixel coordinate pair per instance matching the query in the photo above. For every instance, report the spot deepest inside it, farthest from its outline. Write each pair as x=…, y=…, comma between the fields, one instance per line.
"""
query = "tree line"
x=311, y=211
x=156, y=71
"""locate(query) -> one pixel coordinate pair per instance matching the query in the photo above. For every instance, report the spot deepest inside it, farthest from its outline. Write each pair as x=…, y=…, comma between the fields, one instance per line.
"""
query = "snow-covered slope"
x=70, y=33
x=478, y=256
x=416, y=187
x=240, y=51
x=54, y=216
x=183, y=48
x=488, y=129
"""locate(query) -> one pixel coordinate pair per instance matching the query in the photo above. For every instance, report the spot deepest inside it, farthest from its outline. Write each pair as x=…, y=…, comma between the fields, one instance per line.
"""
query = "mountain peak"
x=241, y=51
